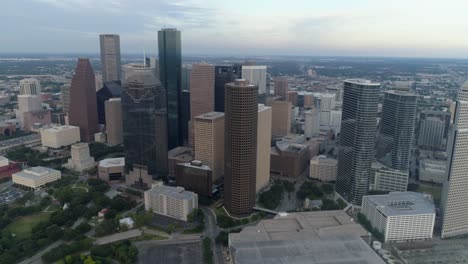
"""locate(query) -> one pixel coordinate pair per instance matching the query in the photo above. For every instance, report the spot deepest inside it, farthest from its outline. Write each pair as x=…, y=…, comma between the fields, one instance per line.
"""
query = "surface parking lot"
x=186, y=253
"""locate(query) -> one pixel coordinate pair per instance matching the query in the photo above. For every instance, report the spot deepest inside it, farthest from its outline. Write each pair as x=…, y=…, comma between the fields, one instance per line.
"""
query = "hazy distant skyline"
x=419, y=28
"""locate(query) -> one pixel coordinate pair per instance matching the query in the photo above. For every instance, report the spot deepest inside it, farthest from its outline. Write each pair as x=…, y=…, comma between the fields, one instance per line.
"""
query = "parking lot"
x=182, y=253
x=10, y=195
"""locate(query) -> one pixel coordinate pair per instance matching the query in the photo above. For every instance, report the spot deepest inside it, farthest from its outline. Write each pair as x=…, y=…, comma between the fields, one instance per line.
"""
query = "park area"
x=23, y=225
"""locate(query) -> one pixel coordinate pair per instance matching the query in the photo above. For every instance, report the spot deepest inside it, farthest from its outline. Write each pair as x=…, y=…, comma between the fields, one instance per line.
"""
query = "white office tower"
x=401, y=216
x=29, y=99
x=312, y=123
x=454, y=200
x=256, y=75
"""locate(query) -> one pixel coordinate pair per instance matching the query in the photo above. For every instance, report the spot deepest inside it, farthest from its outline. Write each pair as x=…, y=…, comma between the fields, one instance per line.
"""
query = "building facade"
x=173, y=202
x=281, y=118
x=312, y=123
x=60, y=136
x=224, y=74
x=434, y=130
x=323, y=168
x=196, y=177
x=110, y=57
x=112, y=169
x=400, y=216
x=256, y=75
x=83, y=103
x=263, y=146
x=144, y=121
x=80, y=157
x=209, y=142
x=36, y=177
x=356, y=147
x=281, y=87
x=170, y=66
x=384, y=178
x=241, y=118
x=114, y=129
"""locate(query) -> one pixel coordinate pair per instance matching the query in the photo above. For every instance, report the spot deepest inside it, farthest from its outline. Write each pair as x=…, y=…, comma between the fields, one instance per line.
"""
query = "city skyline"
x=264, y=28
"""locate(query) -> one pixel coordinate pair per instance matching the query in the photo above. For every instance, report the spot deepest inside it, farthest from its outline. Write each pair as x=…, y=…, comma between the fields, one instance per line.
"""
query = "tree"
x=328, y=188
x=110, y=214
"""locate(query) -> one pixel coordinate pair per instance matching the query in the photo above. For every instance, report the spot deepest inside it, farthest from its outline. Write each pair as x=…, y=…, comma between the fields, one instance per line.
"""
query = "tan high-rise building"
x=281, y=118
x=240, y=162
x=309, y=100
x=281, y=87
x=263, y=146
x=110, y=57
x=202, y=80
x=209, y=141
x=114, y=128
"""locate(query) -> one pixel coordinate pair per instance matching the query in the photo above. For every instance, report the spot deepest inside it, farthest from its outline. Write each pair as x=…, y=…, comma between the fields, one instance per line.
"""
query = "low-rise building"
x=36, y=177
x=7, y=168
x=127, y=222
x=432, y=170
x=178, y=155
x=401, y=216
x=173, y=202
x=387, y=179
x=60, y=136
x=196, y=177
x=290, y=156
x=112, y=169
x=323, y=168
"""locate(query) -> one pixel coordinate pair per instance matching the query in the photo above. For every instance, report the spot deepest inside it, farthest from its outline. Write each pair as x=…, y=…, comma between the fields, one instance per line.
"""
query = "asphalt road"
x=212, y=231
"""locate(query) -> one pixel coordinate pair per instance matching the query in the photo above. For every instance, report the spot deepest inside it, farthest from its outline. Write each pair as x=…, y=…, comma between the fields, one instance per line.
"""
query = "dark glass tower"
x=185, y=115
x=170, y=66
x=397, y=130
x=357, y=137
x=223, y=75
x=111, y=89
x=144, y=117
x=240, y=147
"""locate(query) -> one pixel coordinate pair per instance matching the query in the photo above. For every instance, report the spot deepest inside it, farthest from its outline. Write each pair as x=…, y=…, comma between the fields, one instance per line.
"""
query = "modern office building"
x=29, y=100
x=241, y=118
x=112, y=89
x=356, y=147
x=433, y=171
x=36, y=177
x=305, y=237
x=110, y=57
x=434, y=129
x=209, y=141
x=65, y=97
x=144, y=121
x=170, y=66
x=185, y=79
x=114, y=124
x=80, y=158
x=263, y=146
x=290, y=156
x=178, y=155
x=312, y=123
x=185, y=116
x=256, y=75
x=323, y=168
x=281, y=87
x=384, y=178
x=396, y=133
x=292, y=97
x=112, y=169
x=153, y=63
x=29, y=86
x=169, y=201
x=196, y=177
x=60, y=136
x=454, y=201
x=201, y=93
x=281, y=118
x=224, y=74
x=401, y=216
x=309, y=100
x=83, y=103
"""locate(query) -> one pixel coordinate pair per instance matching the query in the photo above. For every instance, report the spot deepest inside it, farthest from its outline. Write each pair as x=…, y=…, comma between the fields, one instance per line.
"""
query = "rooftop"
x=402, y=203
x=57, y=129
x=173, y=192
x=254, y=67
x=362, y=82
x=307, y=237
x=80, y=145
x=196, y=164
x=112, y=162
x=210, y=115
x=35, y=172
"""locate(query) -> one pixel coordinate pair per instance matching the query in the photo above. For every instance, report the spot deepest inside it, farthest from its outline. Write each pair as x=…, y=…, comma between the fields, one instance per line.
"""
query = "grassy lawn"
x=22, y=226
x=434, y=190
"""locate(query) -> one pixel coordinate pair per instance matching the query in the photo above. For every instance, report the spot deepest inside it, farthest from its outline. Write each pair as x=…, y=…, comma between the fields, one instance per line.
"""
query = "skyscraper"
x=114, y=127
x=201, y=93
x=224, y=74
x=241, y=118
x=110, y=57
x=281, y=123
x=434, y=129
x=356, y=148
x=185, y=101
x=454, y=201
x=281, y=87
x=396, y=129
x=29, y=99
x=263, y=146
x=256, y=75
x=170, y=66
x=83, y=103
x=144, y=122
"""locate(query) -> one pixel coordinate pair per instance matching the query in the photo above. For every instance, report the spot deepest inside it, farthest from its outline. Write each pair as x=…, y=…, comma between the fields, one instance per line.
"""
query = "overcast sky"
x=414, y=28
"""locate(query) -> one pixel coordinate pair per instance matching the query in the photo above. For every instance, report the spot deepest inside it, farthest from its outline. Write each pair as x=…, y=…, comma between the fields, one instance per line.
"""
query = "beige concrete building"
x=209, y=141
x=111, y=169
x=201, y=93
x=323, y=169
x=174, y=202
x=309, y=100
x=114, y=129
x=36, y=177
x=80, y=159
x=263, y=146
x=60, y=136
x=281, y=118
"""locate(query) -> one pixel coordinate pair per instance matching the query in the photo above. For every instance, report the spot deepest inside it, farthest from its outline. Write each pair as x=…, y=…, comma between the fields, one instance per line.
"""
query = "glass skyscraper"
x=144, y=120
x=356, y=147
x=170, y=66
x=224, y=74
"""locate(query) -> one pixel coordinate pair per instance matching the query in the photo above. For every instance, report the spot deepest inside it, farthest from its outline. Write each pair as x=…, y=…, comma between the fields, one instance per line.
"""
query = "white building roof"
x=402, y=203
x=57, y=129
x=127, y=221
x=35, y=172
x=112, y=162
